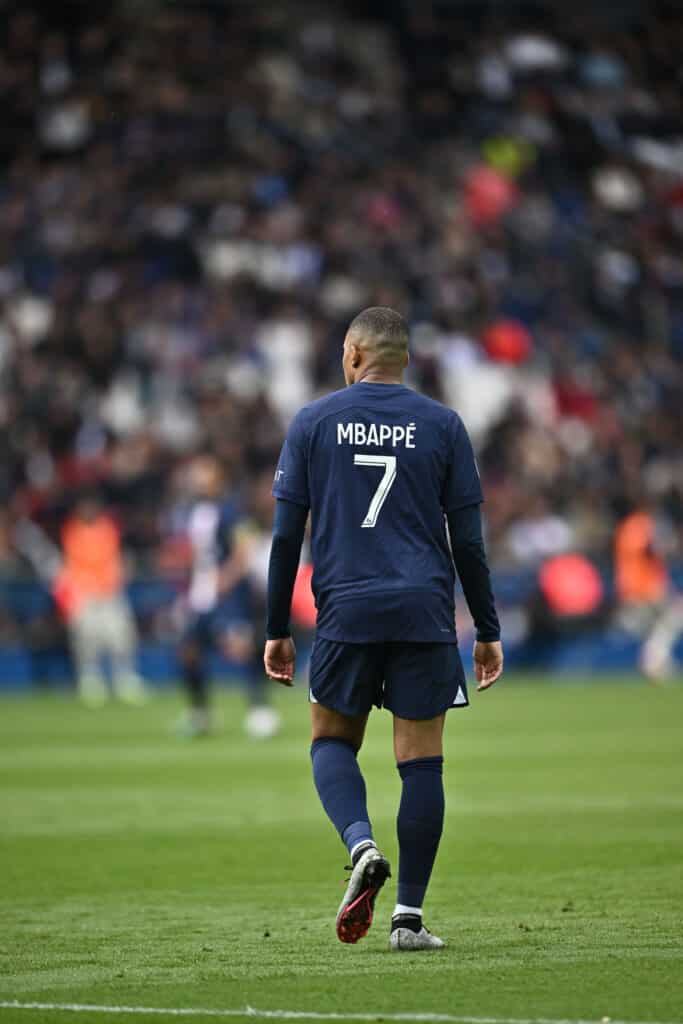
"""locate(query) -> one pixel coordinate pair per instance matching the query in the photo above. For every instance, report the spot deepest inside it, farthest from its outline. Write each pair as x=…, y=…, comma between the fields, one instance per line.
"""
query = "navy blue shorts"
x=412, y=680
x=209, y=630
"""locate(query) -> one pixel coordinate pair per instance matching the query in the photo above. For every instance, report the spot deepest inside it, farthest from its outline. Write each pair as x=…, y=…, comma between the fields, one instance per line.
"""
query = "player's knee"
x=329, y=724
x=342, y=735
x=189, y=656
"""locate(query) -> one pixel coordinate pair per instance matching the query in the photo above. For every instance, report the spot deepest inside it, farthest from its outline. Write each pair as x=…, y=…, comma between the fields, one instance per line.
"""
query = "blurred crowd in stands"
x=195, y=200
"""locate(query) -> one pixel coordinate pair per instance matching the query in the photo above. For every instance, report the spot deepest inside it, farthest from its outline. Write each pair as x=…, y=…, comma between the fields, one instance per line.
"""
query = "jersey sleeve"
x=462, y=485
x=291, y=476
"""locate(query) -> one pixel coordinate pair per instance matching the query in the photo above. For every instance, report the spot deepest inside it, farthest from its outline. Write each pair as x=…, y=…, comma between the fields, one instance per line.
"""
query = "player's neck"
x=377, y=376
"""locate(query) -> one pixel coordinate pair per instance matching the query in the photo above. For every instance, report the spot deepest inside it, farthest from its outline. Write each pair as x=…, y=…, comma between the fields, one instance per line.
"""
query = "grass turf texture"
x=137, y=869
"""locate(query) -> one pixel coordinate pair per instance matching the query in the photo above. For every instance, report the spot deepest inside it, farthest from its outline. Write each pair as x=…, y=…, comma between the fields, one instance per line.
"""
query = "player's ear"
x=355, y=355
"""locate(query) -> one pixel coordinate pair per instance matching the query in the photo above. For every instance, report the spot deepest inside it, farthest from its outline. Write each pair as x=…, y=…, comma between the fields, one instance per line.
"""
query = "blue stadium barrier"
x=24, y=602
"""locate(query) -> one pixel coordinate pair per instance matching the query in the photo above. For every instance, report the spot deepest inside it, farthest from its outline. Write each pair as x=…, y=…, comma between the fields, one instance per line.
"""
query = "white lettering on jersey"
x=388, y=463
x=376, y=435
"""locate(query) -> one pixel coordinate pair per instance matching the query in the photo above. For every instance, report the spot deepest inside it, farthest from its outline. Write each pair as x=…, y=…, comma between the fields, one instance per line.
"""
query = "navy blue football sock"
x=419, y=826
x=341, y=789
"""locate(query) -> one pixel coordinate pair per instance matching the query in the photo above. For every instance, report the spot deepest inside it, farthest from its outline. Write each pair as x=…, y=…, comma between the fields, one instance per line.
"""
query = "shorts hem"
x=426, y=718
x=313, y=699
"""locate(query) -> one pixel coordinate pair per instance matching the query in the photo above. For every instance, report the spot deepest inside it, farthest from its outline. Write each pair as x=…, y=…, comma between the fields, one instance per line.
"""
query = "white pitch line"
x=250, y=1011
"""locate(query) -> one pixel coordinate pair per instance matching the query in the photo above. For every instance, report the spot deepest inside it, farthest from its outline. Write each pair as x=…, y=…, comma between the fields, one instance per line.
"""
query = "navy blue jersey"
x=210, y=527
x=379, y=465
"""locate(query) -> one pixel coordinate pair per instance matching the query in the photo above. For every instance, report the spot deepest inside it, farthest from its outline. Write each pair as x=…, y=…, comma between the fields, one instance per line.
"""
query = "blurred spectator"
x=195, y=200
x=568, y=599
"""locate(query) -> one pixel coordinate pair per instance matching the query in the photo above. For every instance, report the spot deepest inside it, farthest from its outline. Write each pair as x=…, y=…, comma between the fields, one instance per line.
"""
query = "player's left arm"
x=469, y=556
x=462, y=498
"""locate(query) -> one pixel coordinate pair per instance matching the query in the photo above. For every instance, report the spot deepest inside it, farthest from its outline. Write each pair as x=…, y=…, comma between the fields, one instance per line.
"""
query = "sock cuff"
x=325, y=741
x=419, y=764
x=401, y=910
x=356, y=845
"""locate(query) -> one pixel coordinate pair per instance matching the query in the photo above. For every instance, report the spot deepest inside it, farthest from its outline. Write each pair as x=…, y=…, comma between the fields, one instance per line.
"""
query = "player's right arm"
x=290, y=489
x=288, y=534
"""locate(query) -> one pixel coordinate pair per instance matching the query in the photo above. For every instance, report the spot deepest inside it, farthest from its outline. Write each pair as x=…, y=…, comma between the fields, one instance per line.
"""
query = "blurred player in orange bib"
x=648, y=601
x=90, y=593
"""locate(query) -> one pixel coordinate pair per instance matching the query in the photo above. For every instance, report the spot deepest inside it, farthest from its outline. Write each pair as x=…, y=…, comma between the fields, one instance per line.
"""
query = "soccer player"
x=382, y=469
x=218, y=602
x=644, y=588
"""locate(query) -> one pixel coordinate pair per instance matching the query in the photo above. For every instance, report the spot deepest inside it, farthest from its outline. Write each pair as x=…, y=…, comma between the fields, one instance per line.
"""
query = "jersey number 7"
x=383, y=487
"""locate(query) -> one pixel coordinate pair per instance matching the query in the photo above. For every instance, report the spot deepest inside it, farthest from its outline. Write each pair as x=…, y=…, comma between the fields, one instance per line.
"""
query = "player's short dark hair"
x=384, y=330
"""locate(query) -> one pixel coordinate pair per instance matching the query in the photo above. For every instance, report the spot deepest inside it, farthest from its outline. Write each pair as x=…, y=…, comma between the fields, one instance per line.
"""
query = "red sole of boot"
x=355, y=920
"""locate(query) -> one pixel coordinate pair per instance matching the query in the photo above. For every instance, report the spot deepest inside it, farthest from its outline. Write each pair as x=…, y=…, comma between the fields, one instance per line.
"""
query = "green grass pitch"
x=140, y=870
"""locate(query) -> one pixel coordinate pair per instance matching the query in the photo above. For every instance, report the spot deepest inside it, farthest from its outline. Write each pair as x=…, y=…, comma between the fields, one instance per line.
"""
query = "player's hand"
x=279, y=659
x=488, y=662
